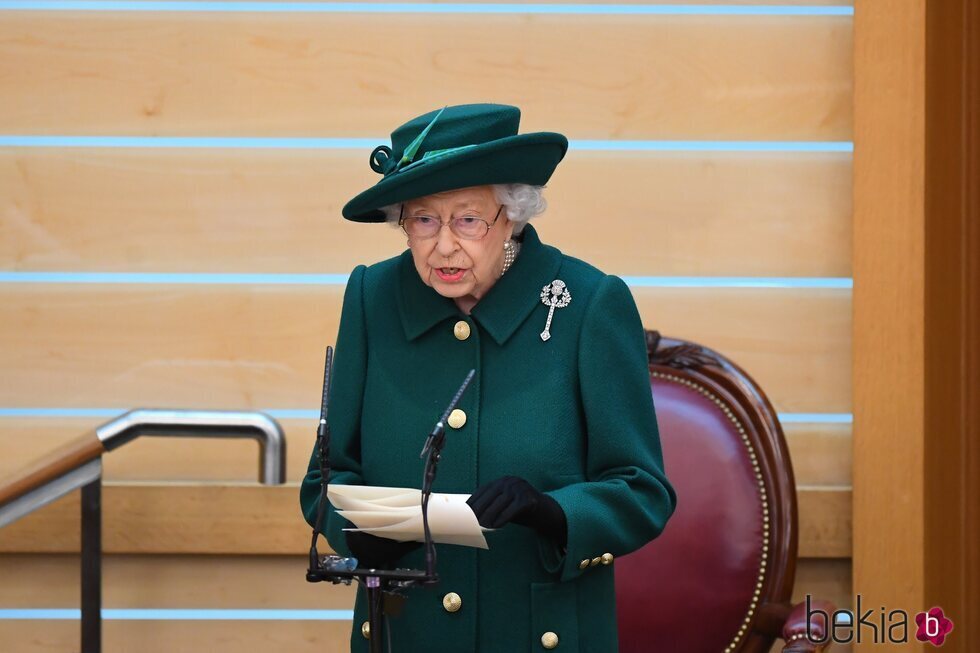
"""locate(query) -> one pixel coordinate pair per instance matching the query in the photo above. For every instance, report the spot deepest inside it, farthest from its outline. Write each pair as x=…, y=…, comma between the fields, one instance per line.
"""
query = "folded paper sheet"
x=396, y=513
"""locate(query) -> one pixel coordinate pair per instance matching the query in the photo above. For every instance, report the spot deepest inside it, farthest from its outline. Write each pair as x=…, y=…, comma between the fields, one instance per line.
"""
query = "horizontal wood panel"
x=825, y=522
x=846, y=3
x=184, y=636
x=251, y=519
x=261, y=347
x=631, y=213
x=262, y=582
x=178, y=581
x=36, y=581
x=155, y=459
x=821, y=453
x=351, y=74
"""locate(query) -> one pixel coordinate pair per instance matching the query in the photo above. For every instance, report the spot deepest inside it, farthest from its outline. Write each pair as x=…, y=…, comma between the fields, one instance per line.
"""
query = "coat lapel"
x=516, y=294
x=420, y=306
x=500, y=312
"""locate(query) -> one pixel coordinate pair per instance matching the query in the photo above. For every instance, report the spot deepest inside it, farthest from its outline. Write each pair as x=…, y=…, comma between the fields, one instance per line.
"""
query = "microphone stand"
x=338, y=569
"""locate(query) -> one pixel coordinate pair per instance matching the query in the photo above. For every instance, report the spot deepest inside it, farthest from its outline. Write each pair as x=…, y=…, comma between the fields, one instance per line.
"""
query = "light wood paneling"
x=37, y=581
x=795, y=343
x=351, y=74
x=184, y=636
x=825, y=522
x=264, y=582
x=889, y=308
x=251, y=519
x=843, y=3
x=171, y=582
x=629, y=213
x=155, y=459
x=262, y=347
x=821, y=453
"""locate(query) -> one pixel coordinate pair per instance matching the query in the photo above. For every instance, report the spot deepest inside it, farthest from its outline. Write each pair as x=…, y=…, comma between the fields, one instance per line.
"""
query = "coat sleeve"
x=626, y=498
x=344, y=417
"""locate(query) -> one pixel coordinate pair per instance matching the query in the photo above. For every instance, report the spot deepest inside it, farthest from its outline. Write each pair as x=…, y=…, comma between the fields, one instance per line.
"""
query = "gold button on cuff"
x=461, y=330
x=549, y=640
x=366, y=629
x=607, y=558
x=457, y=418
x=452, y=602
x=595, y=561
x=583, y=564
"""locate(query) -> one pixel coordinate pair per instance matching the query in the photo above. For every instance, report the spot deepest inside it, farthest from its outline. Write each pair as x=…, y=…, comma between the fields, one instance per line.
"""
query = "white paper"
x=396, y=513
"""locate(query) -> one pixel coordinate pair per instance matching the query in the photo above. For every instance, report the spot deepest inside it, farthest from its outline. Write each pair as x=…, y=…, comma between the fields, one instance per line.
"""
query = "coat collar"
x=501, y=311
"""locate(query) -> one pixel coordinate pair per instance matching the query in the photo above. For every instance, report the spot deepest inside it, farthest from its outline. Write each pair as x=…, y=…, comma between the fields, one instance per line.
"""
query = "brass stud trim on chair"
x=763, y=495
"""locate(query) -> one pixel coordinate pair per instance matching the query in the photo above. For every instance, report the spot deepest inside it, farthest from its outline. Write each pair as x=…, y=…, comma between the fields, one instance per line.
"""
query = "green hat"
x=456, y=147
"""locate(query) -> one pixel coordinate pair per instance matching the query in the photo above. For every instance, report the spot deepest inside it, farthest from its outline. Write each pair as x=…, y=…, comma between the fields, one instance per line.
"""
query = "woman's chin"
x=452, y=290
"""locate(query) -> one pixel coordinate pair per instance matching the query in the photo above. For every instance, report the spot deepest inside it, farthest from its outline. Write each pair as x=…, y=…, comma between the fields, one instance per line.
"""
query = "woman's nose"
x=446, y=245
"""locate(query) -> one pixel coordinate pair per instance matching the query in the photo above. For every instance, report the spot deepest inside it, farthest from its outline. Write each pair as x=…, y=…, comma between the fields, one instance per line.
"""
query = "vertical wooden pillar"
x=916, y=316
x=889, y=303
x=952, y=311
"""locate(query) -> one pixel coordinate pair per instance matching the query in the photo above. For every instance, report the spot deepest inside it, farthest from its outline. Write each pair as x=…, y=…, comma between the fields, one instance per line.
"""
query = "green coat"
x=573, y=416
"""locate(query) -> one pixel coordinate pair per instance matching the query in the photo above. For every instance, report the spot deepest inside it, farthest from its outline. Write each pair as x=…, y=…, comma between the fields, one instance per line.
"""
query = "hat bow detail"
x=381, y=161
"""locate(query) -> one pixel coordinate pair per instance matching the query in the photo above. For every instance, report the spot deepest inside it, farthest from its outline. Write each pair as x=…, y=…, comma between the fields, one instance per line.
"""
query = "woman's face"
x=455, y=267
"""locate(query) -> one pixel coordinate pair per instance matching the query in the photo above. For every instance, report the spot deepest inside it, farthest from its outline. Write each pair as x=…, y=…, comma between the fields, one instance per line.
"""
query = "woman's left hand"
x=511, y=499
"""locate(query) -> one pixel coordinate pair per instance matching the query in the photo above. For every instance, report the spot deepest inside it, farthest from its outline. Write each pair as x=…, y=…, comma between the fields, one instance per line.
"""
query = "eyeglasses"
x=467, y=227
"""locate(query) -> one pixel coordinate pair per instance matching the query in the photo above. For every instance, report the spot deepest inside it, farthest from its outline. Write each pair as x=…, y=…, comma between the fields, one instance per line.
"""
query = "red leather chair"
x=720, y=577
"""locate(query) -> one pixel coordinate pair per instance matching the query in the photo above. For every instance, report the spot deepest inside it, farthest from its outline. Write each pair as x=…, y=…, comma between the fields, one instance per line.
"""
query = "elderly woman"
x=556, y=437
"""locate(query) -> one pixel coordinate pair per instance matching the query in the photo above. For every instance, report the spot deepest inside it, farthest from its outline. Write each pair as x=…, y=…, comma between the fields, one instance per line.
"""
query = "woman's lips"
x=450, y=274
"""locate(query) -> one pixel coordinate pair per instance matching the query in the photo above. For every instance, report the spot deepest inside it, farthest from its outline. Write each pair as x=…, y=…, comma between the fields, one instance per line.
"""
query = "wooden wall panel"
x=351, y=74
x=890, y=439
x=821, y=453
x=171, y=582
x=252, y=519
x=23, y=440
x=842, y=3
x=224, y=582
x=184, y=636
x=261, y=347
x=632, y=213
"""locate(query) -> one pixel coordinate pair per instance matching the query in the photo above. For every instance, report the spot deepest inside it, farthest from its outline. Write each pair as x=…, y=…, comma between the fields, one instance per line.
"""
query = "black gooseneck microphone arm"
x=337, y=569
x=323, y=458
x=433, y=447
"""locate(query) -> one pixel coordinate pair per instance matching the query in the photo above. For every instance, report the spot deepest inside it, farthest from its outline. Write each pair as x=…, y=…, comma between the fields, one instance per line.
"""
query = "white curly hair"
x=522, y=202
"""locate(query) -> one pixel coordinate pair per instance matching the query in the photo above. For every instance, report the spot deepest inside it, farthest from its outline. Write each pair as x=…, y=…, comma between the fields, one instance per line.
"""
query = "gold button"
x=461, y=330
x=457, y=418
x=366, y=629
x=595, y=561
x=452, y=602
x=549, y=640
x=583, y=564
x=607, y=558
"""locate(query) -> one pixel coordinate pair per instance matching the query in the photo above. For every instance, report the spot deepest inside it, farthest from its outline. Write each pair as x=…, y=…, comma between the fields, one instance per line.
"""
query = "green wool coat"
x=573, y=416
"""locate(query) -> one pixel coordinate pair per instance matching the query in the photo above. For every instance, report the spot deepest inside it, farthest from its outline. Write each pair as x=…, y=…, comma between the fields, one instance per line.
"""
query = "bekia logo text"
x=878, y=625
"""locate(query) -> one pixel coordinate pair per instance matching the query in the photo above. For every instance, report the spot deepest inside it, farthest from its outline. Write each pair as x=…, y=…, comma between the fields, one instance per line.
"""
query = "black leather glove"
x=377, y=552
x=511, y=499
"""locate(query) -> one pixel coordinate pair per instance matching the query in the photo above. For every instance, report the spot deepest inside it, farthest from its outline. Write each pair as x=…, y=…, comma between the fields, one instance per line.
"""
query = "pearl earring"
x=511, y=248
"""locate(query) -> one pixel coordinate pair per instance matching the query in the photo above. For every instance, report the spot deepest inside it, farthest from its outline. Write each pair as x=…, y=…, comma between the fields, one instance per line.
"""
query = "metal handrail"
x=204, y=424
x=80, y=467
x=60, y=475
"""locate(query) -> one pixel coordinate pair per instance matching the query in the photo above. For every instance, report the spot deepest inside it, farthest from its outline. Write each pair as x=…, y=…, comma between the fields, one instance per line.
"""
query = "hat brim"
x=524, y=158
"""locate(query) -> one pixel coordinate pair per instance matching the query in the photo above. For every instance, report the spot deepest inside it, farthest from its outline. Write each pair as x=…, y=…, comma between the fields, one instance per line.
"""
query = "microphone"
x=440, y=429
x=433, y=447
x=330, y=563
